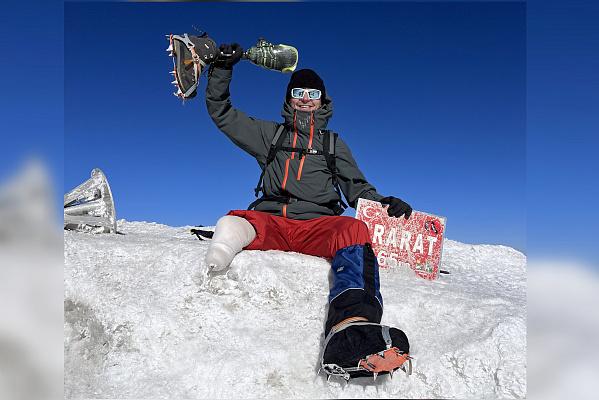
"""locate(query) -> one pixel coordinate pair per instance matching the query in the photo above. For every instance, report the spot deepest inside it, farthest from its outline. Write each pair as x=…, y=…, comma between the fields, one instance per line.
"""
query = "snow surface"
x=142, y=321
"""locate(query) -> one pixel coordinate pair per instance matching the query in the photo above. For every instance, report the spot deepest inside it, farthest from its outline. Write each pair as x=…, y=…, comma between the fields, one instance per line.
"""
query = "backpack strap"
x=277, y=142
x=329, y=142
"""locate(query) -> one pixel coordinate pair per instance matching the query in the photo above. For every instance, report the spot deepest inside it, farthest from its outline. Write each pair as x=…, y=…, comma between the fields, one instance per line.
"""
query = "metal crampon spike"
x=171, y=54
x=328, y=378
x=407, y=369
x=374, y=375
x=170, y=47
x=174, y=82
x=319, y=369
x=391, y=374
x=172, y=73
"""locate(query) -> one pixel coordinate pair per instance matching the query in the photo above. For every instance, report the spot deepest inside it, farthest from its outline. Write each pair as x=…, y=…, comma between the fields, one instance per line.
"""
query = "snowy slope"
x=141, y=321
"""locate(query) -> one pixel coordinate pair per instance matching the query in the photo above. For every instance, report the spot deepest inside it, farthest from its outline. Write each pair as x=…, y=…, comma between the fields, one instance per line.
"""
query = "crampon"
x=387, y=361
x=191, y=55
x=384, y=362
x=349, y=355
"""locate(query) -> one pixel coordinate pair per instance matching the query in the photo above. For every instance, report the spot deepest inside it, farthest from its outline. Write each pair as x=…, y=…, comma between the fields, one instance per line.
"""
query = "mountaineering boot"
x=231, y=235
x=356, y=344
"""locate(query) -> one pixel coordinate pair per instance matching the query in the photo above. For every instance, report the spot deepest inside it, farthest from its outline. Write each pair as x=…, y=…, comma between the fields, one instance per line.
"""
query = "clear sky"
x=563, y=126
x=32, y=88
x=430, y=97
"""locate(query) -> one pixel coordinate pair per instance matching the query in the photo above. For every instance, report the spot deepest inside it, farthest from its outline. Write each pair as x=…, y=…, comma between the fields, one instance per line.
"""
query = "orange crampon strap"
x=386, y=361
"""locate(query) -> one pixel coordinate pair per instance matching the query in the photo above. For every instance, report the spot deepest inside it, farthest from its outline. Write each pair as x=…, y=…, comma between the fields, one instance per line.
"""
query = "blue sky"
x=561, y=99
x=32, y=88
x=563, y=121
x=429, y=96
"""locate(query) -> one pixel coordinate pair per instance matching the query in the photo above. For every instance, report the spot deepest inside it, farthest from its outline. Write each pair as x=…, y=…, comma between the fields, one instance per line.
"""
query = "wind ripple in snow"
x=142, y=320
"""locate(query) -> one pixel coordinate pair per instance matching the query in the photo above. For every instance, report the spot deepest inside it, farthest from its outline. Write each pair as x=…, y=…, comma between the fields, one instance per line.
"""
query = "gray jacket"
x=305, y=179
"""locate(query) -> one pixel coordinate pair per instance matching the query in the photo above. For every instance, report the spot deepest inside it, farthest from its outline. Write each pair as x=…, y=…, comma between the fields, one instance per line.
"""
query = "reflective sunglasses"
x=298, y=93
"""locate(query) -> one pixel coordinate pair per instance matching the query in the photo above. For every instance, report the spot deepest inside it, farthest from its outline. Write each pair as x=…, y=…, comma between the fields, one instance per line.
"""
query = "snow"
x=143, y=321
x=563, y=330
x=31, y=286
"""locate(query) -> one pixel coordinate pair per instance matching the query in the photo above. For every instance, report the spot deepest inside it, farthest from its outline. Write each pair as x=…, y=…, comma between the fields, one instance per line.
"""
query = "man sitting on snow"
x=300, y=211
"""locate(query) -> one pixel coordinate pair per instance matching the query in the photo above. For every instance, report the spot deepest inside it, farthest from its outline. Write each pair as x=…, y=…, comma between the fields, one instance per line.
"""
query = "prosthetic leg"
x=231, y=235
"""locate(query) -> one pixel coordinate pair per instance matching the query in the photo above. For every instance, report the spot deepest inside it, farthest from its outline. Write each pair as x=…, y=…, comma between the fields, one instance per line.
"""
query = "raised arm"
x=252, y=135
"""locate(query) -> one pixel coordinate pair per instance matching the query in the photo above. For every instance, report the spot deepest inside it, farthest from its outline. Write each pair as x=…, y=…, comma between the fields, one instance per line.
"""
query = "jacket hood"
x=321, y=116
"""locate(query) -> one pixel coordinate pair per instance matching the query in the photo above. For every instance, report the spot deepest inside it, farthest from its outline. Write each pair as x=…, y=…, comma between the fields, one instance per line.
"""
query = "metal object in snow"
x=90, y=206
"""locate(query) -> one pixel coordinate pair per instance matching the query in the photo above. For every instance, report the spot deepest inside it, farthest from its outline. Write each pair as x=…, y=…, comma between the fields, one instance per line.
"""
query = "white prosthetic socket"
x=231, y=235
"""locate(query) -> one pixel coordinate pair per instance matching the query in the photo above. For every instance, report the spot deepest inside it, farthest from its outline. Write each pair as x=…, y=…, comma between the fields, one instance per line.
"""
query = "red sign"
x=416, y=243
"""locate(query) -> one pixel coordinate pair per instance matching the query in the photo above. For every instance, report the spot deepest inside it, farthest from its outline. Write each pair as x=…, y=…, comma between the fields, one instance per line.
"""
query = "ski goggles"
x=298, y=93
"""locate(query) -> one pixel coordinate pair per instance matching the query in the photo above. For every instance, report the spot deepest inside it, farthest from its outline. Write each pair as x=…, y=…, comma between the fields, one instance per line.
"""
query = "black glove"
x=397, y=207
x=230, y=54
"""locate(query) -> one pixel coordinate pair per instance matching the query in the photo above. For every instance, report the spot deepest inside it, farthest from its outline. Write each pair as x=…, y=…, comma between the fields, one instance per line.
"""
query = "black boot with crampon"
x=357, y=348
x=356, y=344
x=191, y=55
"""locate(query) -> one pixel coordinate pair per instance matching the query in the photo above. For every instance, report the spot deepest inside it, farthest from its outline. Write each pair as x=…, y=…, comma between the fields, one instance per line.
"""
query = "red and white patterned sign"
x=416, y=243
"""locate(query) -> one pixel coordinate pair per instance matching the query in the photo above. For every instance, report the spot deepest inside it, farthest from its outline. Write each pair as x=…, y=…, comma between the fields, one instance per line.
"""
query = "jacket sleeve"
x=351, y=180
x=252, y=135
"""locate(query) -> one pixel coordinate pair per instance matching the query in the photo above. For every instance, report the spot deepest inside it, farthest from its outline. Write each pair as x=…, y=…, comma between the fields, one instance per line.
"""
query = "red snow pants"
x=320, y=237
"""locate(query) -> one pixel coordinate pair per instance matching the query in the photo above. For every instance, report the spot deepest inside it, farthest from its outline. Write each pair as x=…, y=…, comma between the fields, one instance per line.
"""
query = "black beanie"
x=306, y=78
